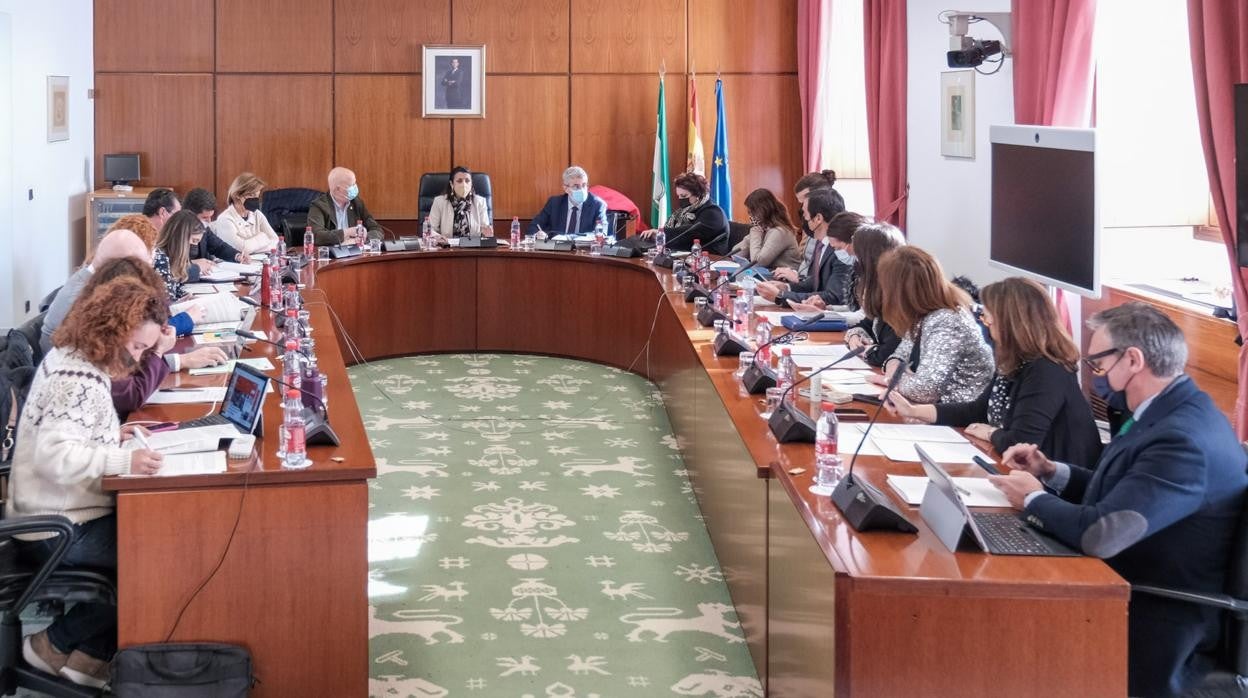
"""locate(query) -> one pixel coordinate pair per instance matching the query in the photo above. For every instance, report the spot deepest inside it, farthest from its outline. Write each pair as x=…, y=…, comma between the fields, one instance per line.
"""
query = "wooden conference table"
x=826, y=610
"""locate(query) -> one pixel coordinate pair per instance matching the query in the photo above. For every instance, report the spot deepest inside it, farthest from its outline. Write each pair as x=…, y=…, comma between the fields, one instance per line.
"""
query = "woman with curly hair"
x=68, y=439
x=696, y=217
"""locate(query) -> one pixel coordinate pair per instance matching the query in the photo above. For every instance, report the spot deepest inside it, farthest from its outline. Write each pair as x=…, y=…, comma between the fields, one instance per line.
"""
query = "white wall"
x=42, y=238
x=949, y=197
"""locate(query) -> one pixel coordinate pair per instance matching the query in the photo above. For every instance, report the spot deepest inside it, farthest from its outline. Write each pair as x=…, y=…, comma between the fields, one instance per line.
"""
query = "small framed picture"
x=453, y=81
x=957, y=113
x=58, y=108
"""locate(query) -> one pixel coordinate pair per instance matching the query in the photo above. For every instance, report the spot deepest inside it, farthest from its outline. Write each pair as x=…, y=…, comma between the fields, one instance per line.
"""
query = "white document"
x=773, y=316
x=207, y=289
x=975, y=491
x=186, y=396
x=260, y=364
x=919, y=432
x=760, y=302
x=219, y=275
x=236, y=268
x=222, y=307
x=259, y=257
x=941, y=452
x=194, y=440
x=205, y=463
x=848, y=435
x=821, y=360
x=227, y=326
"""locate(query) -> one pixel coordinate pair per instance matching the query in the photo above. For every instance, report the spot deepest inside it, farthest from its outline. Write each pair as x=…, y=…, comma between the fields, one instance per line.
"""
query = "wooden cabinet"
x=105, y=206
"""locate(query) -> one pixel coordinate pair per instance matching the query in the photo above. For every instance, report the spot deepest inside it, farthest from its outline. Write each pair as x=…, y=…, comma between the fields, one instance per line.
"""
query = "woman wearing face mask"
x=697, y=218
x=458, y=212
x=772, y=241
x=241, y=225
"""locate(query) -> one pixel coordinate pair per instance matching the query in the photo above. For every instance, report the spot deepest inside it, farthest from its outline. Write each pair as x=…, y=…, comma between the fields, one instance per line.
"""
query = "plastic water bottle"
x=275, y=287
x=600, y=239
x=725, y=294
x=294, y=442
x=660, y=241
x=290, y=297
x=266, y=278
x=696, y=251
x=762, y=335
x=786, y=373
x=292, y=363
x=741, y=314
x=827, y=460
x=309, y=243
x=281, y=248
x=515, y=233
x=426, y=235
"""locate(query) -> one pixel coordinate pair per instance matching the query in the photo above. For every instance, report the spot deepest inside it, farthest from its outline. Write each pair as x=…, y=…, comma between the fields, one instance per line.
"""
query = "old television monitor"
x=1045, y=223
x=121, y=168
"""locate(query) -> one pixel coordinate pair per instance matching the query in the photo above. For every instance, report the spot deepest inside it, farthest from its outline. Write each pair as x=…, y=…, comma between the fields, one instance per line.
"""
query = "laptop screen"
x=244, y=397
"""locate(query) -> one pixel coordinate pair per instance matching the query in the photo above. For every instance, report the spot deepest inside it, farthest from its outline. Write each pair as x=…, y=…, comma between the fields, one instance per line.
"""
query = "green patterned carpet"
x=532, y=533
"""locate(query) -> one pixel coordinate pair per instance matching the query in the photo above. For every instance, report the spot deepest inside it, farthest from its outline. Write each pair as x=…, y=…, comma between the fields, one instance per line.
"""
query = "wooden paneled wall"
x=205, y=89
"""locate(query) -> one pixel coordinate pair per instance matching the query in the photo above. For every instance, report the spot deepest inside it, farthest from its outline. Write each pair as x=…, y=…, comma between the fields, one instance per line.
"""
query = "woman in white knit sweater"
x=241, y=225
x=68, y=440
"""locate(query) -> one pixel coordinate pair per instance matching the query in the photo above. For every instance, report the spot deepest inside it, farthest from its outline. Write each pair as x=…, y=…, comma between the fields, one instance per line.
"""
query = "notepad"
x=941, y=452
x=205, y=463
x=260, y=364
x=207, y=289
x=197, y=440
x=975, y=491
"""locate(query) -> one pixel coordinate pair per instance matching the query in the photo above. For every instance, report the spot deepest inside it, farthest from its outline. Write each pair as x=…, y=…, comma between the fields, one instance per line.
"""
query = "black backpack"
x=17, y=371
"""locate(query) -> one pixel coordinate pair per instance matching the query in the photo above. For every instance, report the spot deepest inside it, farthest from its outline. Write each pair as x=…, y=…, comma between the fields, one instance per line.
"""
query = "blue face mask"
x=578, y=196
x=845, y=257
x=352, y=192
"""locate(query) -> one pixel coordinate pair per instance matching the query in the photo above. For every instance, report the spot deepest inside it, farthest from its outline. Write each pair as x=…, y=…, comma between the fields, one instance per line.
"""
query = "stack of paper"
x=943, y=444
x=260, y=364
x=205, y=463
x=975, y=491
x=222, y=307
x=207, y=289
x=197, y=440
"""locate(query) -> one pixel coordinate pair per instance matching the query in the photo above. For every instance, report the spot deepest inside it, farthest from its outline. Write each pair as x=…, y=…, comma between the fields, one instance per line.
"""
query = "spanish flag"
x=696, y=159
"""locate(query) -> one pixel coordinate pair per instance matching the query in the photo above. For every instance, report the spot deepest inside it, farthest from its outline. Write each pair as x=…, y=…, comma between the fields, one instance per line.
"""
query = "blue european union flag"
x=721, y=182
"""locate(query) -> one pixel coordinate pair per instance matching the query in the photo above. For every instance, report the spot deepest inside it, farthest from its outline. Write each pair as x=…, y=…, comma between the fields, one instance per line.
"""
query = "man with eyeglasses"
x=574, y=212
x=1162, y=504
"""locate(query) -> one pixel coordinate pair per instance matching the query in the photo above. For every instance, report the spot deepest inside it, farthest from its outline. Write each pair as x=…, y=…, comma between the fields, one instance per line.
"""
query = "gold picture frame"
x=452, y=81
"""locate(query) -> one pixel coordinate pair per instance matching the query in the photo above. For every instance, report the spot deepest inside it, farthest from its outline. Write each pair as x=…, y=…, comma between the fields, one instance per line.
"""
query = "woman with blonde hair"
x=241, y=225
x=69, y=439
x=942, y=352
x=172, y=256
x=1035, y=396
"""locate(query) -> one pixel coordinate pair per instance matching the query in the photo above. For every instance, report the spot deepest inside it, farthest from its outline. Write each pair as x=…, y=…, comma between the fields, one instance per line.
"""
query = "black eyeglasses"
x=1094, y=367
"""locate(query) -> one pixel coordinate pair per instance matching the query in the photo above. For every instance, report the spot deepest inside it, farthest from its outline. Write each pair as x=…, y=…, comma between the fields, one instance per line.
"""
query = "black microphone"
x=717, y=238
x=864, y=506
x=758, y=378
x=788, y=423
x=240, y=335
x=316, y=429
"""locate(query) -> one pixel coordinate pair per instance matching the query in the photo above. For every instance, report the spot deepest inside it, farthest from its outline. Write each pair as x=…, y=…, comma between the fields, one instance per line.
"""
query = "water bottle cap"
x=290, y=312
x=785, y=351
x=828, y=406
x=292, y=393
x=292, y=344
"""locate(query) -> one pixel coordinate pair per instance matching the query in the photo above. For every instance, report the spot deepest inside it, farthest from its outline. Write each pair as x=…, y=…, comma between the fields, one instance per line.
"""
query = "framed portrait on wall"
x=957, y=113
x=58, y=108
x=453, y=81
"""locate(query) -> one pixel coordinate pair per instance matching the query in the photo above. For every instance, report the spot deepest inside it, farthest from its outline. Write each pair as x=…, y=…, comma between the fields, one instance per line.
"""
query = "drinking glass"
x=773, y=396
x=744, y=359
x=698, y=304
x=374, y=246
x=322, y=254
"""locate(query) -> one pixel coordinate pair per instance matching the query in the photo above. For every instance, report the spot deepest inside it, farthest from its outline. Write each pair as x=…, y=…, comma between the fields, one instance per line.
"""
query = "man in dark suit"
x=828, y=276
x=455, y=82
x=574, y=211
x=1162, y=504
x=339, y=215
x=203, y=204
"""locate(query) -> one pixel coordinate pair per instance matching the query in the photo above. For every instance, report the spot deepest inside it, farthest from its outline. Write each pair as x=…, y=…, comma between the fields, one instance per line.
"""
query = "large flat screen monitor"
x=1045, y=220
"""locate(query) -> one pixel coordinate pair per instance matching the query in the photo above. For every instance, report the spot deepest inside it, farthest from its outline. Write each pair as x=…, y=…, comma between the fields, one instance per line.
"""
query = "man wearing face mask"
x=832, y=266
x=1162, y=504
x=575, y=211
x=339, y=215
x=459, y=211
x=203, y=204
x=242, y=225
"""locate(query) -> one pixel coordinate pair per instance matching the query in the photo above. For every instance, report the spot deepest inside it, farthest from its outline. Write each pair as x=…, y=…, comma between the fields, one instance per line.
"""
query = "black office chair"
x=51, y=586
x=1230, y=678
x=433, y=185
x=287, y=211
x=736, y=233
x=33, y=330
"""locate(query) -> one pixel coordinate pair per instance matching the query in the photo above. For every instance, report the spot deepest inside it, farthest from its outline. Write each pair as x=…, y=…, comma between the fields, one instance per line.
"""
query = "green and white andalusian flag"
x=658, y=172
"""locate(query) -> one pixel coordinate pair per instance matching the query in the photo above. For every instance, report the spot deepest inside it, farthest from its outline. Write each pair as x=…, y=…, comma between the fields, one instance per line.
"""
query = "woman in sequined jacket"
x=942, y=350
x=1035, y=396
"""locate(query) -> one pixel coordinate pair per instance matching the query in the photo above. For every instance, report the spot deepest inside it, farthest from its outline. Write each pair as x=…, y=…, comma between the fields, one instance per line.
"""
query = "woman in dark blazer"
x=868, y=244
x=1034, y=396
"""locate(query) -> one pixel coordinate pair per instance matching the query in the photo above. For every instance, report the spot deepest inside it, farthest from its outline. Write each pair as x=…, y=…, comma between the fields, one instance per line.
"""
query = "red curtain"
x=1053, y=63
x=884, y=24
x=1218, y=30
x=813, y=18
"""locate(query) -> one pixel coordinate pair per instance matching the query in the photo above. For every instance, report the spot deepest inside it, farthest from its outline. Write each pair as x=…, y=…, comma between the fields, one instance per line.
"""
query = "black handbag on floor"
x=182, y=670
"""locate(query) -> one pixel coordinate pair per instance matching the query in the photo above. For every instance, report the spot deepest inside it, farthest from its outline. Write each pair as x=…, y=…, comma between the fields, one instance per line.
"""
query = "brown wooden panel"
x=634, y=36
x=275, y=36
x=277, y=126
x=613, y=130
x=764, y=133
x=292, y=588
x=379, y=133
x=167, y=119
x=522, y=143
x=745, y=36
x=154, y=35
x=521, y=36
x=385, y=36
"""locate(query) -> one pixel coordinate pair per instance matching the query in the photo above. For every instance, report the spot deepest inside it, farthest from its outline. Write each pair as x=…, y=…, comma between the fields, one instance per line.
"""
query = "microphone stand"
x=316, y=428
x=864, y=506
x=758, y=378
x=789, y=424
x=708, y=315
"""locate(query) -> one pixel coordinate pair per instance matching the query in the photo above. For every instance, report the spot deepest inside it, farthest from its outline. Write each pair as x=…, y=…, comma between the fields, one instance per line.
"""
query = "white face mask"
x=845, y=257
x=462, y=189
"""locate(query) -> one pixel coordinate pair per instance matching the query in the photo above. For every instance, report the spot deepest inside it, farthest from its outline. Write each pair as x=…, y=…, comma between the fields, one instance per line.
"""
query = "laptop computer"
x=999, y=533
x=242, y=405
